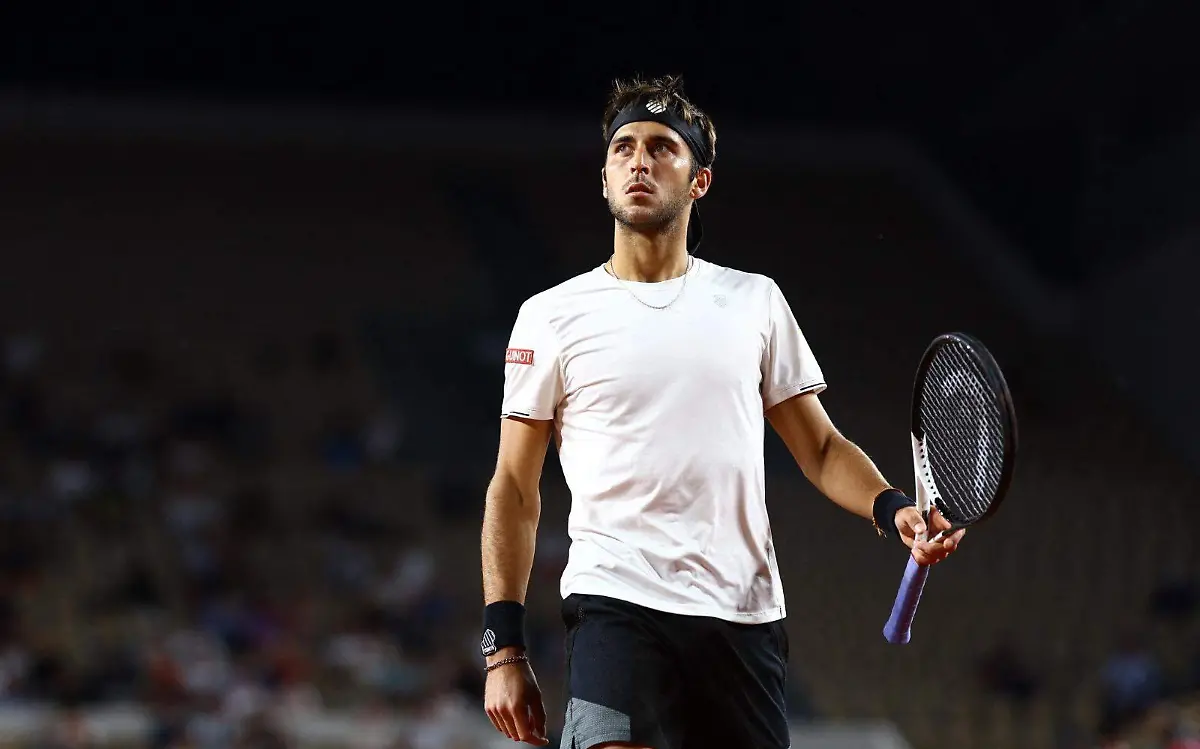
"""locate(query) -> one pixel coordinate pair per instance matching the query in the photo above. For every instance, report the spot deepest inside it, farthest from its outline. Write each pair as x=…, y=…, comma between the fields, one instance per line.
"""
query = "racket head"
x=964, y=419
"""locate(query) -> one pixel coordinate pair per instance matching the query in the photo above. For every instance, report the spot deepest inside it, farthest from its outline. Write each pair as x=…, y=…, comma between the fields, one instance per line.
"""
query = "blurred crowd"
x=1144, y=701
x=151, y=556
x=145, y=560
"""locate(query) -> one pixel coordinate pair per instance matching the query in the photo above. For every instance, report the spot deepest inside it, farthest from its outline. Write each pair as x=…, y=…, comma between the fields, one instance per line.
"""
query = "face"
x=647, y=176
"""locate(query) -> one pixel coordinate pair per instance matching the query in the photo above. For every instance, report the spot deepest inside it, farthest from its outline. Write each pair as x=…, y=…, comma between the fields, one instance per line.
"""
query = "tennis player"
x=653, y=372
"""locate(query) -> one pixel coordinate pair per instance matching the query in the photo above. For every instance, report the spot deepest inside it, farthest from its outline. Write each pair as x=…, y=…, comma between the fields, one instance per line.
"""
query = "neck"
x=649, y=258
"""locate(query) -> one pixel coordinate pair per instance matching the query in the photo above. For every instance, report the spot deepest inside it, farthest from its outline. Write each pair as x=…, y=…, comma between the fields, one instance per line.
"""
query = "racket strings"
x=963, y=425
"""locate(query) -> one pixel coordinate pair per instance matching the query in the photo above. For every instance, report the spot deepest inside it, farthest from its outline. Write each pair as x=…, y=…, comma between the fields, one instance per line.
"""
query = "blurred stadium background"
x=260, y=263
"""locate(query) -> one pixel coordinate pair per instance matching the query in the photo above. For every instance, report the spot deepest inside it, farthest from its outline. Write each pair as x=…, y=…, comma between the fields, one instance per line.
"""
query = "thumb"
x=911, y=519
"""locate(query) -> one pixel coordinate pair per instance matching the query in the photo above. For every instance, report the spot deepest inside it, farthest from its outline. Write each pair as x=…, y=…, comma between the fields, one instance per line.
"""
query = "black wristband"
x=503, y=626
x=887, y=504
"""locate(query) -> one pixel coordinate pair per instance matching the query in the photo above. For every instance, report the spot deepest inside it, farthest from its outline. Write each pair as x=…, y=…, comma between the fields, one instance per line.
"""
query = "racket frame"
x=1008, y=422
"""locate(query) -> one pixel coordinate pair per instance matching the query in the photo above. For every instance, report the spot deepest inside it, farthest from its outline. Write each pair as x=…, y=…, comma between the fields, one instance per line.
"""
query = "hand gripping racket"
x=964, y=440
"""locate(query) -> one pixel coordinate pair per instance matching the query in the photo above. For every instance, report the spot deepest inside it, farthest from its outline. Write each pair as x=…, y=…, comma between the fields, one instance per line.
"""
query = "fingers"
x=922, y=554
x=927, y=554
x=510, y=728
x=932, y=552
x=935, y=551
x=531, y=722
x=519, y=716
x=500, y=712
x=497, y=717
x=521, y=723
x=537, y=721
x=938, y=522
x=952, y=541
x=520, y=719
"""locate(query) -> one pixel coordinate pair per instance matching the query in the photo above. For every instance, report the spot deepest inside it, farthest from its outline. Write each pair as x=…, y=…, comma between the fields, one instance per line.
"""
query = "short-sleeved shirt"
x=659, y=415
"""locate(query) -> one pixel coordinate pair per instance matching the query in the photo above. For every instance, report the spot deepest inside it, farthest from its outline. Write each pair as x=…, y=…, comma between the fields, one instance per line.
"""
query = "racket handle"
x=899, y=626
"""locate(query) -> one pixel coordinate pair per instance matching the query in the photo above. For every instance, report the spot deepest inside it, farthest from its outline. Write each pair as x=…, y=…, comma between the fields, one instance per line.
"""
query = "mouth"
x=636, y=187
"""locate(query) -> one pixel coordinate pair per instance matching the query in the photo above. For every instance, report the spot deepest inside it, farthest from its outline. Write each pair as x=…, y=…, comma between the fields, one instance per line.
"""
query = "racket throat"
x=926, y=494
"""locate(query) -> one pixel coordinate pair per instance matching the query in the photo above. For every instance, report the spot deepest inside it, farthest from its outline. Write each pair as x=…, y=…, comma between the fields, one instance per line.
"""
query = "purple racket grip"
x=899, y=626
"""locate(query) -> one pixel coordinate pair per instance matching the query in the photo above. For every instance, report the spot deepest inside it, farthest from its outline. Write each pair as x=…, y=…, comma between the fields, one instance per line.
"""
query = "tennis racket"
x=964, y=441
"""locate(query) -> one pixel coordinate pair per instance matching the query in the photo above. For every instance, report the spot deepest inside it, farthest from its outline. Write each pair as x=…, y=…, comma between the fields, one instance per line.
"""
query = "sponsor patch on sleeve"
x=519, y=356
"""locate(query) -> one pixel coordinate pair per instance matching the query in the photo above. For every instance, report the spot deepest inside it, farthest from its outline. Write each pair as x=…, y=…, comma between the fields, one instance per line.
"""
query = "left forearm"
x=847, y=476
x=832, y=463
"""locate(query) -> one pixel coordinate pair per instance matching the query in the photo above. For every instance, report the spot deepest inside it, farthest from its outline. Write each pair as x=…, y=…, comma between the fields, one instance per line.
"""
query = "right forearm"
x=510, y=520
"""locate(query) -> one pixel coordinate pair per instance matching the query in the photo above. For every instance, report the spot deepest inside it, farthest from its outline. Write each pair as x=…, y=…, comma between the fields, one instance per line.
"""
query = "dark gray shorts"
x=667, y=681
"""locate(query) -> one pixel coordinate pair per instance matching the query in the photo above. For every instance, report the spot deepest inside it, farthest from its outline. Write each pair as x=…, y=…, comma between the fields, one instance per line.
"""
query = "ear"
x=604, y=184
x=701, y=183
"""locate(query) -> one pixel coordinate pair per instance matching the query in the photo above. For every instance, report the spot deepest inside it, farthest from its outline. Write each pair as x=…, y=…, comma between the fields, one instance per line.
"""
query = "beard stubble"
x=669, y=211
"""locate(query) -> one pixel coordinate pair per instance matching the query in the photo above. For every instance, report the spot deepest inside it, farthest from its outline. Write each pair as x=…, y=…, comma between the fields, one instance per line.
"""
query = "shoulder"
x=738, y=281
x=550, y=303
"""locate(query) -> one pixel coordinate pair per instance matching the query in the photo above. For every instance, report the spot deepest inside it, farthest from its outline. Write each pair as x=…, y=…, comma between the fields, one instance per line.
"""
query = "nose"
x=638, y=165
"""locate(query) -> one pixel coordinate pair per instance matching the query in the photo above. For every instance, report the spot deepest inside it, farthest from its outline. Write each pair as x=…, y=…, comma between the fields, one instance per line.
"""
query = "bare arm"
x=512, y=698
x=832, y=463
x=512, y=509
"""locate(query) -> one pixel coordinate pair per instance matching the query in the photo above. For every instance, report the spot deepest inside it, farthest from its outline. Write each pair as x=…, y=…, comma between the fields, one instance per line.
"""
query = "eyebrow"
x=652, y=139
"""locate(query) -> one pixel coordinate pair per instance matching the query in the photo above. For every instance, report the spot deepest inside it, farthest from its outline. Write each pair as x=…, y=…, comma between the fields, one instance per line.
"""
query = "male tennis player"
x=653, y=373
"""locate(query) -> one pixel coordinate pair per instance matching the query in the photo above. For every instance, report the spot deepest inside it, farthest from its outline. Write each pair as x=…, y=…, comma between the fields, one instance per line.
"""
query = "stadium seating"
x=249, y=283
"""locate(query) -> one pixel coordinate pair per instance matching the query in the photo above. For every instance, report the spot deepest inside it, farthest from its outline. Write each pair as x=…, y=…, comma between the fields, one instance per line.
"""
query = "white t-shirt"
x=659, y=418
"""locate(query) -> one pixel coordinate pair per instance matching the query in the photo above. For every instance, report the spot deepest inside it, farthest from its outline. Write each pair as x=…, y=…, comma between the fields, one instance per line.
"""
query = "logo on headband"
x=656, y=107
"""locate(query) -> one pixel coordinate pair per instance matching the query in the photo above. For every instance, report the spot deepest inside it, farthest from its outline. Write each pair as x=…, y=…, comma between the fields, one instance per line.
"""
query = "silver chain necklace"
x=682, y=286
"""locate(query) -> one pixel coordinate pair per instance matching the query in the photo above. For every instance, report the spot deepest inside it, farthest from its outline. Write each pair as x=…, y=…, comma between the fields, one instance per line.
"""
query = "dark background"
x=260, y=260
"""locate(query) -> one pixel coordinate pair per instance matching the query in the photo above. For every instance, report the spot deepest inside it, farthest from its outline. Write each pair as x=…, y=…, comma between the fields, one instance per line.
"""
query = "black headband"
x=653, y=110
